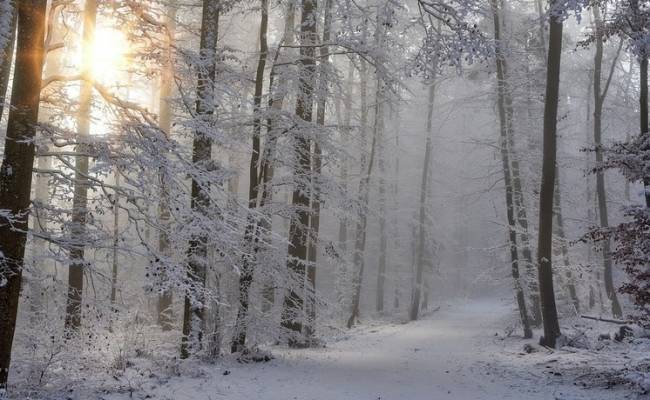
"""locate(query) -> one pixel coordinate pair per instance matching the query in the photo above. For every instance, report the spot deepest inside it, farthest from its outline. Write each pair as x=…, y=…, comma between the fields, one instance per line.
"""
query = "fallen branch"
x=612, y=321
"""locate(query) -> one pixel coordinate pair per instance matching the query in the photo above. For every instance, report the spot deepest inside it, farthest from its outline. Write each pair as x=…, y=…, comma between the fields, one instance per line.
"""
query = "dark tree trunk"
x=16, y=170
x=643, y=108
x=193, y=311
x=299, y=227
x=545, y=239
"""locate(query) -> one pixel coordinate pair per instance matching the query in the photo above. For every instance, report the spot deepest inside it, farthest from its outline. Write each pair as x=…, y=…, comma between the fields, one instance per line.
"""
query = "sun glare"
x=109, y=55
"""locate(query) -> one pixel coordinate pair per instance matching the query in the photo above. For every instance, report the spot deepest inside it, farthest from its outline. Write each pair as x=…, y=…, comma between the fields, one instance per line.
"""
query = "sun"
x=109, y=60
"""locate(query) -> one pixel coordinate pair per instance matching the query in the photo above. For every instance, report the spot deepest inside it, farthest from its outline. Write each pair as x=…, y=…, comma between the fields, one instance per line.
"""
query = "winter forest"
x=324, y=199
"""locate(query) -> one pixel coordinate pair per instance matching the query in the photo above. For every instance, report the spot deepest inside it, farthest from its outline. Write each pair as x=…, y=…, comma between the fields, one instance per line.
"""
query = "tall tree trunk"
x=396, y=118
x=16, y=170
x=277, y=94
x=250, y=236
x=382, y=15
x=383, y=237
x=505, y=122
x=601, y=193
x=421, y=237
x=589, y=193
x=360, y=232
x=7, y=39
x=317, y=166
x=518, y=192
x=116, y=239
x=346, y=130
x=52, y=65
x=643, y=117
x=81, y=183
x=193, y=310
x=165, y=297
x=299, y=227
x=545, y=239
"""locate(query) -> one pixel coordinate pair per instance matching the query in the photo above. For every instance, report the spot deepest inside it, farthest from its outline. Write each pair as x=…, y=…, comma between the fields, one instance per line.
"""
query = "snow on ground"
x=458, y=352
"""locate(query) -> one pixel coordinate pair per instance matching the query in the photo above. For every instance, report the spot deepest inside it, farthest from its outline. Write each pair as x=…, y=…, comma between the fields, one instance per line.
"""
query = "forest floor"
x=458, y=352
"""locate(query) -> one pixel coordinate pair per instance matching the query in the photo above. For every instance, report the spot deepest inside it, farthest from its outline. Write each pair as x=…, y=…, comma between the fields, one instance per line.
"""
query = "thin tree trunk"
x=346, y=130
x=518, y=193
x=193, y=310
x=383, y=237
x=165, y=297
x=299, y=227
x=505, y=123
x=417, y=289
x=643, y=109
x=7, y=39
x=360, y=234
x=396, y=117
x=81, y=183
x=16, y=170
x=545, y=239
x=382, y=14
x=564, y=250
x=116, y=238
x=317, y=166
x=601, y=193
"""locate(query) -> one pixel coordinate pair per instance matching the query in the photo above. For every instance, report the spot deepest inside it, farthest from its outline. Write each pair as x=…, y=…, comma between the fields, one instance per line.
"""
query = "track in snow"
x=440, y=357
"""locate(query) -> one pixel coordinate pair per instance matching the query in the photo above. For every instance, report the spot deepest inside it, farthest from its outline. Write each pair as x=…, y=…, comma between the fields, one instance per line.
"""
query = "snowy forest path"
x=454, y=353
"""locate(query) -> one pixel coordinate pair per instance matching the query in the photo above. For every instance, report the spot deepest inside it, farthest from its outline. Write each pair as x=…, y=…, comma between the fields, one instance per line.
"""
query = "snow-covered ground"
x=458, y=352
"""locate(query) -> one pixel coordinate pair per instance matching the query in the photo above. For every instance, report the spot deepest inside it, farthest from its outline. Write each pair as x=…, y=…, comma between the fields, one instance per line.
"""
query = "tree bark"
x=601, y=193
x=643, y=117
x=505, y=123
x=346, y=130
x=299, y=226
x=252, y=231
x=360, y=234
x=317, y=167
x=419, y=268
x=193, y=310
x=545, y=239
x=564, y=250
x=7, y=39
x=16, y=170
x=81, y=183
x=165, y=297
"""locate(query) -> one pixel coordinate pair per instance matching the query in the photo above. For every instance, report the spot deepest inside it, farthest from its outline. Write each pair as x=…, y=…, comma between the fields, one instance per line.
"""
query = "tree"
x=545, y=238
x=7, y=39
x=317, y=170
x=250, y=237
x=16, y=170
x=81, y=184
x=505, y=123
x=298, y=229
x=194, y=307
x=420, y=250
x=599, y=94
x=165, y=120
